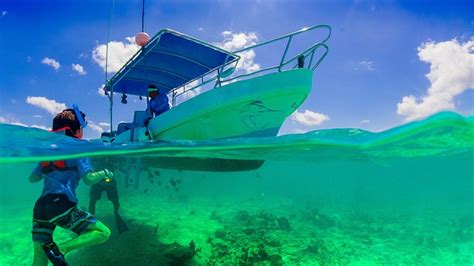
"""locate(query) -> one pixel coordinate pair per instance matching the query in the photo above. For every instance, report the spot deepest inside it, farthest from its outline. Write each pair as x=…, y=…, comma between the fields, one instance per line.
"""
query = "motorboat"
x=234, y=104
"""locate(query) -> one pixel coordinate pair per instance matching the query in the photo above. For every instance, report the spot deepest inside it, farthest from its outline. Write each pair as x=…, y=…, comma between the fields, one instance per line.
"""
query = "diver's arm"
x=35, y=178
x=92, y=178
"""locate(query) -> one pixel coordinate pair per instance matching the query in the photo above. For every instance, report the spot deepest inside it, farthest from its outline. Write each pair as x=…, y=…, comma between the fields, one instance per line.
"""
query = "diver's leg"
x=121, y=225
x=42, y=229
x=39, y=258
x=95, y=234
x=116, y=204
x=44, y=247
x=90, y=231
x=112, y=195
x=92, y=203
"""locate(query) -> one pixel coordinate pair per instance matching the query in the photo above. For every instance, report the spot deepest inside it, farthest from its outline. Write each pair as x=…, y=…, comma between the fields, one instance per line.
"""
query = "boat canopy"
x=169, y=60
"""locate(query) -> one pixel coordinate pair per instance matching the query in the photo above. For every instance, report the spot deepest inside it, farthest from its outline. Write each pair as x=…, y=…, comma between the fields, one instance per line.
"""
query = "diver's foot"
x=121, y=225
x=54, y=254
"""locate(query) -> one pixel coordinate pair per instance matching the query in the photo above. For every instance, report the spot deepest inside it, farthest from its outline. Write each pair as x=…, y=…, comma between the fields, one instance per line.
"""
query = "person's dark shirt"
x=159, y=105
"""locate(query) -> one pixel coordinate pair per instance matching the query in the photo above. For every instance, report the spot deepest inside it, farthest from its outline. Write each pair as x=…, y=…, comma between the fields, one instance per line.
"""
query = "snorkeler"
x=57, y=205
x=110, y=187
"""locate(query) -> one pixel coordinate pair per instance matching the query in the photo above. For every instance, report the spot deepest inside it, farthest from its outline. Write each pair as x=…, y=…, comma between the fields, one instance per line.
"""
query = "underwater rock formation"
x=249, y=239
x=219, y=233
x=283, y=224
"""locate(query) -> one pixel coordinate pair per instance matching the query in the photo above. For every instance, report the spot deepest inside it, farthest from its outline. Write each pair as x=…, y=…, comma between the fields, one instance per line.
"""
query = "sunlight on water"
x=339, y=196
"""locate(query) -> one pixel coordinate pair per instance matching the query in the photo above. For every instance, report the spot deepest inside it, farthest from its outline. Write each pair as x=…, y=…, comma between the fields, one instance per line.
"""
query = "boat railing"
x=225, y=74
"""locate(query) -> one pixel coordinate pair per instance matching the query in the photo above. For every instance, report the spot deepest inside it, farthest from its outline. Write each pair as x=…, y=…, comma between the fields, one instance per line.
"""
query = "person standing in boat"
x=158, y=102
x=57, y=205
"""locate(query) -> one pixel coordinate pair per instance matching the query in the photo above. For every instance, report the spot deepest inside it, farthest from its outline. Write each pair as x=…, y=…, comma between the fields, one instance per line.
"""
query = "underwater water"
x=327, y=197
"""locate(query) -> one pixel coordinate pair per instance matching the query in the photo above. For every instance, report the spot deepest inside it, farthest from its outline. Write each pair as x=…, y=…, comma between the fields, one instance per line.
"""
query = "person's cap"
x=152, y=88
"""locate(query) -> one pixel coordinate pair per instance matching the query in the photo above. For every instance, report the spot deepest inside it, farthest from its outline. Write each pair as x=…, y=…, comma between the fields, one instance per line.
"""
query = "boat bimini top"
x=169, y=60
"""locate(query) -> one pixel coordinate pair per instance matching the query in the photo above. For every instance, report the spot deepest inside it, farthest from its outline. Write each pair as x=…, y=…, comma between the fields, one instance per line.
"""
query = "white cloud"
x=201, y=29
x=119, y=54
x=309, y=118
x=236, y=41
x=51, y=106
x=451, y=73
x=104, y=124
x=4, y=120
x=95, y=127
x=298, y=131
x=191, y=93
x=38, y=116
x=13, y=121
x=51, y=62
x=4, y=13
x=365, y=121
x=101, y=91
x=79, y=69
x=365, y=65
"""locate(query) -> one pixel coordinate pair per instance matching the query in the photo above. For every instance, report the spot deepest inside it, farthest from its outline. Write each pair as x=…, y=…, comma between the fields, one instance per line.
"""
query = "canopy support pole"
x=111, y=96
x=146, y=72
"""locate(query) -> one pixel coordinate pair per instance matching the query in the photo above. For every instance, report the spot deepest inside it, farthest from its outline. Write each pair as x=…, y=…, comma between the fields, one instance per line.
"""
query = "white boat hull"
x=254, y=107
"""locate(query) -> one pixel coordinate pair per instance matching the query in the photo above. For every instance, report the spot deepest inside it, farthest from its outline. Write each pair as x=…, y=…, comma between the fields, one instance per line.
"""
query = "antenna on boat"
x=111, y=96
x=141, y=39
x=143, y=16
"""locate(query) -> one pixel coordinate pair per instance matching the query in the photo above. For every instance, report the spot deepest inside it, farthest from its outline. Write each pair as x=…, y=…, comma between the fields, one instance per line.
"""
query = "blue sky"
x=375, y=76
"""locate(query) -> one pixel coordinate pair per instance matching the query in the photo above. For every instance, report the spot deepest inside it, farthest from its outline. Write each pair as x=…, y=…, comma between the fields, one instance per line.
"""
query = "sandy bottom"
x=253, y=231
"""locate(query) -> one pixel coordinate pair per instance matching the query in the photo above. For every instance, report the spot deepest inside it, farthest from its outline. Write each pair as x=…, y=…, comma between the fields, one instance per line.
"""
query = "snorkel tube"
x=79, y=116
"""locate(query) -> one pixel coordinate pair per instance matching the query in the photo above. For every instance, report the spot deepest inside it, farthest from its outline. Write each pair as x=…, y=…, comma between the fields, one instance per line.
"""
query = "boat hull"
x=254, y=107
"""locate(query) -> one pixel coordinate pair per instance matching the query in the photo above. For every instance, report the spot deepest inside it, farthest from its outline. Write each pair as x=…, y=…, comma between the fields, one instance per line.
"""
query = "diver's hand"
x=95, y=177
x=108, y=175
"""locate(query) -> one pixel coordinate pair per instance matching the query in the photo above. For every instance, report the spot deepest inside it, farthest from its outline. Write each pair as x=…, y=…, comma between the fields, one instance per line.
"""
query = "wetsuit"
x=110, y=187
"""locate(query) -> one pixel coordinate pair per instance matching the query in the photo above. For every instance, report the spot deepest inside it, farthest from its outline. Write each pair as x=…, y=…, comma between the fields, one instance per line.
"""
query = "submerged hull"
x=254, y=107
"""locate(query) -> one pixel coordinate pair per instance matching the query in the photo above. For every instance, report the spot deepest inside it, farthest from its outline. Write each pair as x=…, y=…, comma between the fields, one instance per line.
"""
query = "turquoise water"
x=338, y=196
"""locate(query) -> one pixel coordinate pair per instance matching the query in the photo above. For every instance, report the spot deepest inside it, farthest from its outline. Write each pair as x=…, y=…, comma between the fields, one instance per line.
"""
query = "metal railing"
x=222, y=74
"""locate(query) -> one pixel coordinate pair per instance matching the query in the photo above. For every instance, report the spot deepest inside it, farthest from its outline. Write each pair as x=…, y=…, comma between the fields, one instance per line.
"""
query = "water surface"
x=338, y=196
